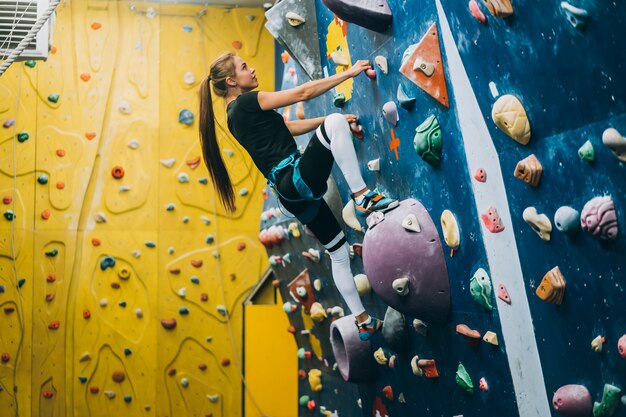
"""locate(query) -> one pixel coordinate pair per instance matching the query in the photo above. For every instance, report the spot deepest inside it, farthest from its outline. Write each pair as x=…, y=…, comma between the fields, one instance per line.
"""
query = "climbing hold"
x=47, y=394
x=127, y=398
x=374, y=15
x=615, y=142
x=184, y=382
x=503, y=294
x=394, y=332
x=42, y=179
x=138, y=313
x=237, y=44
x=499, y=8
x=45, y=214
x=540, y=223
x=82, y=379
x=621, y=346
x=349, y=216
x=405, y=101
x=339, y=100
x=476, y=12
x=168, y=163
x=117, y=172
x=482, y=384
x=471, y=336
x=52, y=253
x=339, y=59
x=599, y=218
x=374, y=218
x=225, y=362
x=463, y=379
x=104, y=302
x=185, y=117
x=118, y=376
x=54, y=325
x=420, y=327
x=85, y=357
x=572, y=401
x=90, y=135
x=610, y=402
x=9, y=215
x=492, y=220
x=5, y=357
x=183, y=178
x=22, y=137
x=415, y=368
x=410, y=223
x=125, y=107
x=480, y=175
x=481, y=289
x=168, y=324
x=8, y=123
x=362, y=284
x=243, y=192
x=552, y=287
x=576, y=17
x=150, y=244
x=221, y=309
x=310, y=405
x=567, y=219
x=428, y=367
x=381, y=62
x=312, y=255
x=96, y=25
x=357, y=130
x=51, y=278
x=336, y=311
x=529, y=170
x=491, y=338
x=303, y=400
x=183, y=311
x=509, y=115
x=196, y=263
x=107, y=262
x=388, y=392
x=370, y=73
x=426, y=67
x=109, y=394
x=374, y=165
x=194, y=162
x=315, y=380
x=53, y=98
x=318, y=313
x=127, y=351
x=317, y=284
x=597, y=343
x=380, y=356
x=450, y=230
x=586, y=152
x=94, y=390
x=401, y=285
x=428, y=141
x=390, y=111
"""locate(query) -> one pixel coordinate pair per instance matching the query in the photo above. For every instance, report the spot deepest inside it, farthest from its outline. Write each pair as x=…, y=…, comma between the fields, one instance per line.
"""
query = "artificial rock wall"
x=111, y=232
x=566, y=70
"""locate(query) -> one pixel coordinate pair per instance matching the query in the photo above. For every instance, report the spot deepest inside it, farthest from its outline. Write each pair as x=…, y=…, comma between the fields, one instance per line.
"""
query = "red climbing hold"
x=310, y=405
x=379, y=409
x=241, y=246
x=202, y=366
x=94, y=390
x=117, y=172
x=95, y=242
x=118, y=376
x=492, y=220
x=54, y=325
x=7, y=200
x=6, y=357
x=86, y=314
x=174, y=271
x=60, y=185
x=480, y=175
x=47, y=394
x=503, y=294
x=171, y=372
x=60, y=152
x=371, y=73
x=168, y=324
x=85, y=76
x=45, y=214
x=237, y=44
x=291, y=329
x=225, y=362
x=51, y=278
x=193, y=163
x=301, y=374
x=388, y=392
x=96, y=25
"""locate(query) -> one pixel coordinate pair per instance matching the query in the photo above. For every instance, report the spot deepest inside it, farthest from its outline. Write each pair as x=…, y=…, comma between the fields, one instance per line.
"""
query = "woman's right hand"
x=359, y=66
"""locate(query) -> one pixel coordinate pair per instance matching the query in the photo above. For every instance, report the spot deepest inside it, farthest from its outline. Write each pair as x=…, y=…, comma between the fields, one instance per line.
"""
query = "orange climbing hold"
x=168, y=324
x=291, y=329
x=196, y=263
x=471, y=336
x=237, y=44
x=552, y=287
x=193, y=163
x=51, y=278
x=95, y=242
x=388, y=392
x=85, y=76
x=86, y=314
x=60, y=185
x=118, y=376
x=204, y=297
x=117, y=172
x=96, y=25
x=90, y=135
x=285, y=57
x=60, y=152
x=241, y=246
x=54, y=325
x=428, y=52
x=45, y=214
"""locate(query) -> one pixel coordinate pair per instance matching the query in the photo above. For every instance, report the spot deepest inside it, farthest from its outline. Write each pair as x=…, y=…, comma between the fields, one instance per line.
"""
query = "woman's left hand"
x=351, y=118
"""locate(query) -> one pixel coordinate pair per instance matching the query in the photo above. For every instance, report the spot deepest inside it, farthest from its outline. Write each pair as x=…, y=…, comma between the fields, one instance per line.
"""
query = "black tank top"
x=262, y=133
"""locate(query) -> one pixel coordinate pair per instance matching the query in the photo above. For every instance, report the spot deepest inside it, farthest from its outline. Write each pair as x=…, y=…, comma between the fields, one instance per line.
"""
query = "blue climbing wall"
x=571, y=87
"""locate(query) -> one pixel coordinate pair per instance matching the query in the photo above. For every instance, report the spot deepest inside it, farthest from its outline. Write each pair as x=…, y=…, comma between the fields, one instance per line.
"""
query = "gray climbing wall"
x=570, y=84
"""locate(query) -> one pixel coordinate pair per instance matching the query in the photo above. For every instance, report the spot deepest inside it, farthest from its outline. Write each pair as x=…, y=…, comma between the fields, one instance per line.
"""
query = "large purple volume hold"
x=371, y=14
x=391, y=252
x=572, y=401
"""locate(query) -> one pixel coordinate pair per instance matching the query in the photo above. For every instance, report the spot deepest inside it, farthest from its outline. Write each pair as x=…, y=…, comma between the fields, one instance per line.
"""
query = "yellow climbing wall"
x=83, y=336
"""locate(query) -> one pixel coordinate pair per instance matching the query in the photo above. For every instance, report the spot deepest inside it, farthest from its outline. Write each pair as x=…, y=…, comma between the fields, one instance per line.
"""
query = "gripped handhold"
x=621, y=346
x=572, y=401
x=567, y=220
x=576, y=16
x=428, y=141
x=540, y=223
x=405, y=101
x=410, y=223
x=529, y=170
x=357, y=130
x=371, y=14
x=390, y=111
x=499, y=8
x=586, y=152
x=599, y=218
x=552, y=287
x=463, y=379
x=610, y=402
x=503, y=294
x=492, y=221
x=415, y=368
x=370, y=73
x=615, y=142
x=450, y=228
x=481, y=289
x=476, y=12
x=509, y=115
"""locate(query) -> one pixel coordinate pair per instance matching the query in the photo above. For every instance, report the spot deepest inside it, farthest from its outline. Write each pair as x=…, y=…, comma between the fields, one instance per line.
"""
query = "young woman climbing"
x=299, y=180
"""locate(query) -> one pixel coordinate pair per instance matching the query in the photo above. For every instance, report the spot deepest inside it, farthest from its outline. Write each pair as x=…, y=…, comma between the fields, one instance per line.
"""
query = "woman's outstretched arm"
x=300, y=127
x=309, y=90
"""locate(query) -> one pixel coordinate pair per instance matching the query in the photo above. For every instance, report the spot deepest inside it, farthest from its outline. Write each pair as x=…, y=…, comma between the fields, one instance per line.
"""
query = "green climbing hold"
x=428, y=141
x=195, y=280
x=610, y=402
x=22, y=137
x=481, y=289
x=82, y=379
x=9, y=215
x=30, y=63
x=463, y=379
x=203, y=181
x=183, y=311
x=53, y=98
x=52, y=253
x=304, y=400
x=339, y=100
x=586, y=152
x=210, y=239
x=21, y=282
x=127, y=398
x=107, y=262
x=42, y=179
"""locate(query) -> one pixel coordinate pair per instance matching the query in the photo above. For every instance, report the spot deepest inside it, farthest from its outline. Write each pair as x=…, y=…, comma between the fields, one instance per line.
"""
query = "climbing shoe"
x=374, y=201
x=368, y=328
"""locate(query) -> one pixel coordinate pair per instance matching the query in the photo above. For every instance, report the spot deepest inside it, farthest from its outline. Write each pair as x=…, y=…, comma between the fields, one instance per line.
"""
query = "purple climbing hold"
x=390, y=111
x=371, y=14
x=572, y=401
x=353, y=355
x=599, y=218
x=391, y=252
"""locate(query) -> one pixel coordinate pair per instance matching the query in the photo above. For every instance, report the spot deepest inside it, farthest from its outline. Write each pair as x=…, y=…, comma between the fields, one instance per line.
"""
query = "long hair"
x=221, y=68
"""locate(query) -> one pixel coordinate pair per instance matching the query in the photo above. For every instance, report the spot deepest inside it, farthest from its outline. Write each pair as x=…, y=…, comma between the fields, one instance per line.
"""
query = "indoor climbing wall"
x=121, y=278
x=516, y=328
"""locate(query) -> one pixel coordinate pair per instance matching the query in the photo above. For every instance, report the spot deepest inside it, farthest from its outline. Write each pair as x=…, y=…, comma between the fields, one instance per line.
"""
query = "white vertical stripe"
x=502, y=255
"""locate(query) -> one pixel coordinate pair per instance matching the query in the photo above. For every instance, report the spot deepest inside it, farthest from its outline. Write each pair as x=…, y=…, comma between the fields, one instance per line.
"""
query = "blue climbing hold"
x=52, y=253
x=127, y=398
x=53, y=98
x=1, y=289
x=107, y=262
x=21, y=282
x=150, y=244
x=42, y=179
x=183, y=311
x=122, y=304
x=127, y=351
x=406, y=102
x=82, y=379
x=185, y=117
x=9, y=215
x=210, y=239
x=187, y=28
x=195, y=280
x=203, y=181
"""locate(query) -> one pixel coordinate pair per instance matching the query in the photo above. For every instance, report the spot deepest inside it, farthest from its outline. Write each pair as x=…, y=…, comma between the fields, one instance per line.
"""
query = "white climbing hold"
x=337, y=311
x=125, y=107
x=85, y=357
x=491, y=338
x=317, y=284
x=540, y=223
x=301, y=292
x=229, y=153
x=615, y=142
x=426, y=67
x=401, y=398
x=189, y=78
x=294, y=19
x=401, y=285
x=104, y=302
x=410, y=223
x=109, y=394
x=213, y=398
x=339, y=59
x=100, y=217
x=420, y=327
x=381, y=62
x=138, y=313
x=243, y=192
x=182, y=292
x=222, y=310
x=136, y=254
x=415, y=368
x=183, y=178
x=168, y=163
x=349, y=216
x=374, y=165
x=390, y=111
x=133, y=144
x=205, y=220
x=124, y=188
x=170, y=250
x=363, y=286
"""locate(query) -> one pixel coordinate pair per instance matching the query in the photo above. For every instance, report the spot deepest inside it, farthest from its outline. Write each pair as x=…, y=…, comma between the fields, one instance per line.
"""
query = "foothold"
x=5, y=357
x=127, y=398
x=312, y=255
x=480, y=175
x=82, y=379
x=86, y=314
x=597, y=343
x=339, y=100
x=94, y=389
x=529, y=170
x=30, y=63
x=48, y=394
x=567, y=220
x=463, y=379
x=503, y=294
x=237, y=44
x=225, y=362
x=45, y=214
x=610, y=402
x=243, y=192
x=615, y=142
x=362, y=284
x=183, y=311
x=491, y=338
x=168, y=324
x=420, y=327
x=540, y=223
x=339, y=59
x=621, y=346
x=509, y=115
x=374, y=165
x=390, y=111
x=150, y=244
x=107, y=262
x=388, y=392
x=576, y=16
x=599, y=218
x=194, y=162
x=499, y=8
x=374, y=15
x=96, y=25
x=315, y=380
x=482, y=384
x=127, y=351
x=318, y=313
x=196, y=263
x=426, y=67
x=138, y=313
x=476, y=12
x=401, y=285
x=8, y=123
x=370, y=73
x=85, y=357
x=471, y=336
x=168, y=163
x=380, y=356
x=185, y=117
x=572, y=401
x=183, y=178
x=492, y=220
x=410, y=223
x=117, y=172
x=104, y=302
x=118, y=376
x=552, y=287
x=481, y=289
x=381, y=62
x=405, y=101
x=450, y=228
x=428, y=141
x=53, y=98
x=349, y=216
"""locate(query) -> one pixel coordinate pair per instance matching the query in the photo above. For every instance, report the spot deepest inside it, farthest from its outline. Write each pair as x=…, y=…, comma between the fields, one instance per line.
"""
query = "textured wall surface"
x=85, y=338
